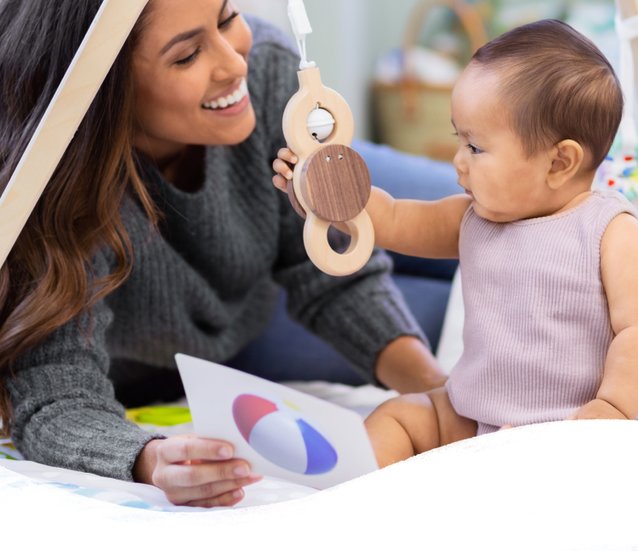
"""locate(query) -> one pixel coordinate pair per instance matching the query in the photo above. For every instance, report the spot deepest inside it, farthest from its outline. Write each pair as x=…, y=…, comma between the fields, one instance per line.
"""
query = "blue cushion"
x=286, y=351
x=408, y=176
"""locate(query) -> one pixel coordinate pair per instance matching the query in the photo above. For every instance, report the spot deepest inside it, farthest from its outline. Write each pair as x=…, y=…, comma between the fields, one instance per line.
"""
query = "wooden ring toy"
x=331, y=183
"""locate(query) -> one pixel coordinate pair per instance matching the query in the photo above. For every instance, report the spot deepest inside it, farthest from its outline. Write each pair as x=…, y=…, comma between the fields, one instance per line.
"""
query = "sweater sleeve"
x=358, y=315
x=64, y=410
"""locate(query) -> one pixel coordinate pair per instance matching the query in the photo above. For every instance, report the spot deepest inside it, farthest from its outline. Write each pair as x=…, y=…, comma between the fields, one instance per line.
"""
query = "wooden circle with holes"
x=335, y=183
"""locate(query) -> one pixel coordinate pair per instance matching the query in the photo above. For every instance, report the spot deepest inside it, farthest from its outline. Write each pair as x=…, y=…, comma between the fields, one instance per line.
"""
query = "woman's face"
x=190, y=70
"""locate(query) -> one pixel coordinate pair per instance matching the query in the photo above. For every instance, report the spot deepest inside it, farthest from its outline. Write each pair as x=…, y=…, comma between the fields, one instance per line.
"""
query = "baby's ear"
x=567, y=159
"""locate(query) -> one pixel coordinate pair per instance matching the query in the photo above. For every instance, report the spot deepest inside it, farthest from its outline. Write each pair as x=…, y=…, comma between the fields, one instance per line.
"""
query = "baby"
x=549, y=266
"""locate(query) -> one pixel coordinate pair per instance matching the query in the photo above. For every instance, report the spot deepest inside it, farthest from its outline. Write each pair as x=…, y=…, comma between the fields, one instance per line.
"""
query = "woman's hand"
x=283, y=166
x=194, y=471
x=408, y=366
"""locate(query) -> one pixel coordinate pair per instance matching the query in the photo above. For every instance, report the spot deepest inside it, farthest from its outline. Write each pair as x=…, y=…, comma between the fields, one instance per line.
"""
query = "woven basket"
x=412, y=115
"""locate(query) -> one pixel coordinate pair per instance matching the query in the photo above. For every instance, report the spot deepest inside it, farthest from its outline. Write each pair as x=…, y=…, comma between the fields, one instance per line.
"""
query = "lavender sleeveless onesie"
x=537, y=326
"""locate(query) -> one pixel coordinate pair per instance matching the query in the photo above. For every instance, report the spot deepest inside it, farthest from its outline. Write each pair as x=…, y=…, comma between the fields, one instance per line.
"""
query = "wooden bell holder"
x=331, y=183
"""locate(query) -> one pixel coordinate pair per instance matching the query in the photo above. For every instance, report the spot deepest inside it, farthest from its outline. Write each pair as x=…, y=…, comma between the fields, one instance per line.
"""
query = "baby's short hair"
x=558, y=85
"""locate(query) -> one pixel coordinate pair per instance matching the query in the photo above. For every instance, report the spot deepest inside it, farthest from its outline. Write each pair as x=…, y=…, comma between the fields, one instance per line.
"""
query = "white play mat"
x=569, y=486
x=558, y=486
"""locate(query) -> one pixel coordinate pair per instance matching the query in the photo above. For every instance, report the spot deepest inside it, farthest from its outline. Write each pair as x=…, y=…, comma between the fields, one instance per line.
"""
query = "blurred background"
x=395, y=61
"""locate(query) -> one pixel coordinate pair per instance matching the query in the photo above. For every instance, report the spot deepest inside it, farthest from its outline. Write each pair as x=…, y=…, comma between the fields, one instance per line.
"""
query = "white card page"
x=282, y=432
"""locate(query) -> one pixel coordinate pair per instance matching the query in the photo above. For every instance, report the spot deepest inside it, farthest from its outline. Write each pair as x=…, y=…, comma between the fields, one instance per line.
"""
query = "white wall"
x=348, y=37
x=271, y=10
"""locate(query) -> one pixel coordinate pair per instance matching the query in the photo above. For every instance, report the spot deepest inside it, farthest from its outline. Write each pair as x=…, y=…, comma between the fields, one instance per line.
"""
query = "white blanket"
x=558, y=486
x=361, y=399
x=568, y=486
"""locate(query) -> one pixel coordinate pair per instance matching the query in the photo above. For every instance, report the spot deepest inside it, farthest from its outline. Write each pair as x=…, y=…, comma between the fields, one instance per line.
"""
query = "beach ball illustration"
x=277, y=432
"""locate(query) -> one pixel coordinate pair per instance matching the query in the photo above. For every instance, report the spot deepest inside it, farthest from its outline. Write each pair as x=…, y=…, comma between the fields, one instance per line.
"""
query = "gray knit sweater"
x=204, y=284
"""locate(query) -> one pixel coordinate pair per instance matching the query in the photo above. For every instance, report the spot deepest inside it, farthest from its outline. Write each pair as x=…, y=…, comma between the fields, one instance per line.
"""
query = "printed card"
x=282, y=432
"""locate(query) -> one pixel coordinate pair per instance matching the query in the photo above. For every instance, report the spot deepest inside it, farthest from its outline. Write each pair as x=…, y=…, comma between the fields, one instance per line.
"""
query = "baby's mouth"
x=230, y=99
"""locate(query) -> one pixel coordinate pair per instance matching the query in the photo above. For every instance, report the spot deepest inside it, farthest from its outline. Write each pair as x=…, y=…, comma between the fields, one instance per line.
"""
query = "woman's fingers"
x=225, y=500
x=209, y=492
x=197, y=474
x=180, y=449
x=200, y=471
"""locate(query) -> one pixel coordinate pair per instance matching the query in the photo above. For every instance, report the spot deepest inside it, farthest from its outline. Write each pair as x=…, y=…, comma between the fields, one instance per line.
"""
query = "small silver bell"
x=320, y=124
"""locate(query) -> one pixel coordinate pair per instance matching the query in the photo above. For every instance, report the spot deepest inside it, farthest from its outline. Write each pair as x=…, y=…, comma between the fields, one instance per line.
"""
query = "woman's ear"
x=567, y=159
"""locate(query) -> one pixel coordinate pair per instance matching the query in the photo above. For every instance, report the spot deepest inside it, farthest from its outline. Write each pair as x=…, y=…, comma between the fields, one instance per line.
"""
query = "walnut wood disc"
x=336, y=183
x=294, y=202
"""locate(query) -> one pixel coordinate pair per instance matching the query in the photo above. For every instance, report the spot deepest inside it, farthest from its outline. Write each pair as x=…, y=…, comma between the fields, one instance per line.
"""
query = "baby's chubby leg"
x=415, y=423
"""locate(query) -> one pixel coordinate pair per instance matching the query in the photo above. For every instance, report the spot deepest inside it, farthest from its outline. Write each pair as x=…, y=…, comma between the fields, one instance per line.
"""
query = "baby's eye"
x=473, y=149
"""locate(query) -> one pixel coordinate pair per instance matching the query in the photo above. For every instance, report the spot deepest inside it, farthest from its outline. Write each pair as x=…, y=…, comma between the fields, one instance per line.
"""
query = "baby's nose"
x=459, y=164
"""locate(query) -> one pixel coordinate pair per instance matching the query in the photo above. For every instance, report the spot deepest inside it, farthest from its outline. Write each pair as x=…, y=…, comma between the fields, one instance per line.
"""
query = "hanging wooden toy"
x=331, y=183
x=79, y=86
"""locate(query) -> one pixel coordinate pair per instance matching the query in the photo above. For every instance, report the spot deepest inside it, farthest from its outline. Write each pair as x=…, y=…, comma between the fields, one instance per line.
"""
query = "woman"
x=161, y=232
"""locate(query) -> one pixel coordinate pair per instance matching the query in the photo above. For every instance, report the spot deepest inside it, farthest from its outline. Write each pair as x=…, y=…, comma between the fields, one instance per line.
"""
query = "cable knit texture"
x=205, y=285
x=537, y=327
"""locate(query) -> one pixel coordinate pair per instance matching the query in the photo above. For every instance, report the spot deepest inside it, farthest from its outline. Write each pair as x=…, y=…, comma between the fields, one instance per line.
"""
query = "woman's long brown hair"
x=47, y=280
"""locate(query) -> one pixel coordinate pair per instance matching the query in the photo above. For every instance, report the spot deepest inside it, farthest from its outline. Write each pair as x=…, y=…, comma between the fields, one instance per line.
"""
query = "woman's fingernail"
x=289, y=175
x=238, y=494
x=241, y=471
x=225, y=453
x=295, y=159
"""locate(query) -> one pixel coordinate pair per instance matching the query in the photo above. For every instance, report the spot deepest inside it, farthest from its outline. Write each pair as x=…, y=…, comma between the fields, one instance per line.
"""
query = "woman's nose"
x=229, y=63
x=231, y=53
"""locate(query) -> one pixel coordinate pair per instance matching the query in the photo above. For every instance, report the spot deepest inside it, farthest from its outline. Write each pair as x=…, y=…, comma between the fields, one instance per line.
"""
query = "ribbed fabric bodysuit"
x=537, y=327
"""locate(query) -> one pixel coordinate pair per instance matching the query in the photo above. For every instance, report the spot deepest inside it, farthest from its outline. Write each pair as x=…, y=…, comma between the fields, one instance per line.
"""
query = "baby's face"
x=504, y=183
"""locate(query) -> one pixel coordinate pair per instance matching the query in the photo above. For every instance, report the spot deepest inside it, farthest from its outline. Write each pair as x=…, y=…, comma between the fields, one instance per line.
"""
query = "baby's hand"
x=597, y=409
x=283, y=166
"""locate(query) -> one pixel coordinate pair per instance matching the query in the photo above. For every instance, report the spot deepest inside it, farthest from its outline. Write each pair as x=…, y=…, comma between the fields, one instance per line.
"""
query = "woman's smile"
x=190, y=72
x=230, y=103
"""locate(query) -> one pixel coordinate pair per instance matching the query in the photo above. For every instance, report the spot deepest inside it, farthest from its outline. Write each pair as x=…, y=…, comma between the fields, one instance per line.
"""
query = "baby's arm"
x=617, y=396
x=417, y=228
x=412, y=227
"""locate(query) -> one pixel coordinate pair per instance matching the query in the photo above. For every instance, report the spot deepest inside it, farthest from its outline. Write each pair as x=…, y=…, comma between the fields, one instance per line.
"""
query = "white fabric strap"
x=301, y=28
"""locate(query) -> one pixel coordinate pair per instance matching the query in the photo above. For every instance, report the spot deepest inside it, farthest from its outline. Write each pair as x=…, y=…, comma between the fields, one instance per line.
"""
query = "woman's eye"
x=189, y=59
x=226, y=22
x=473, y=149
